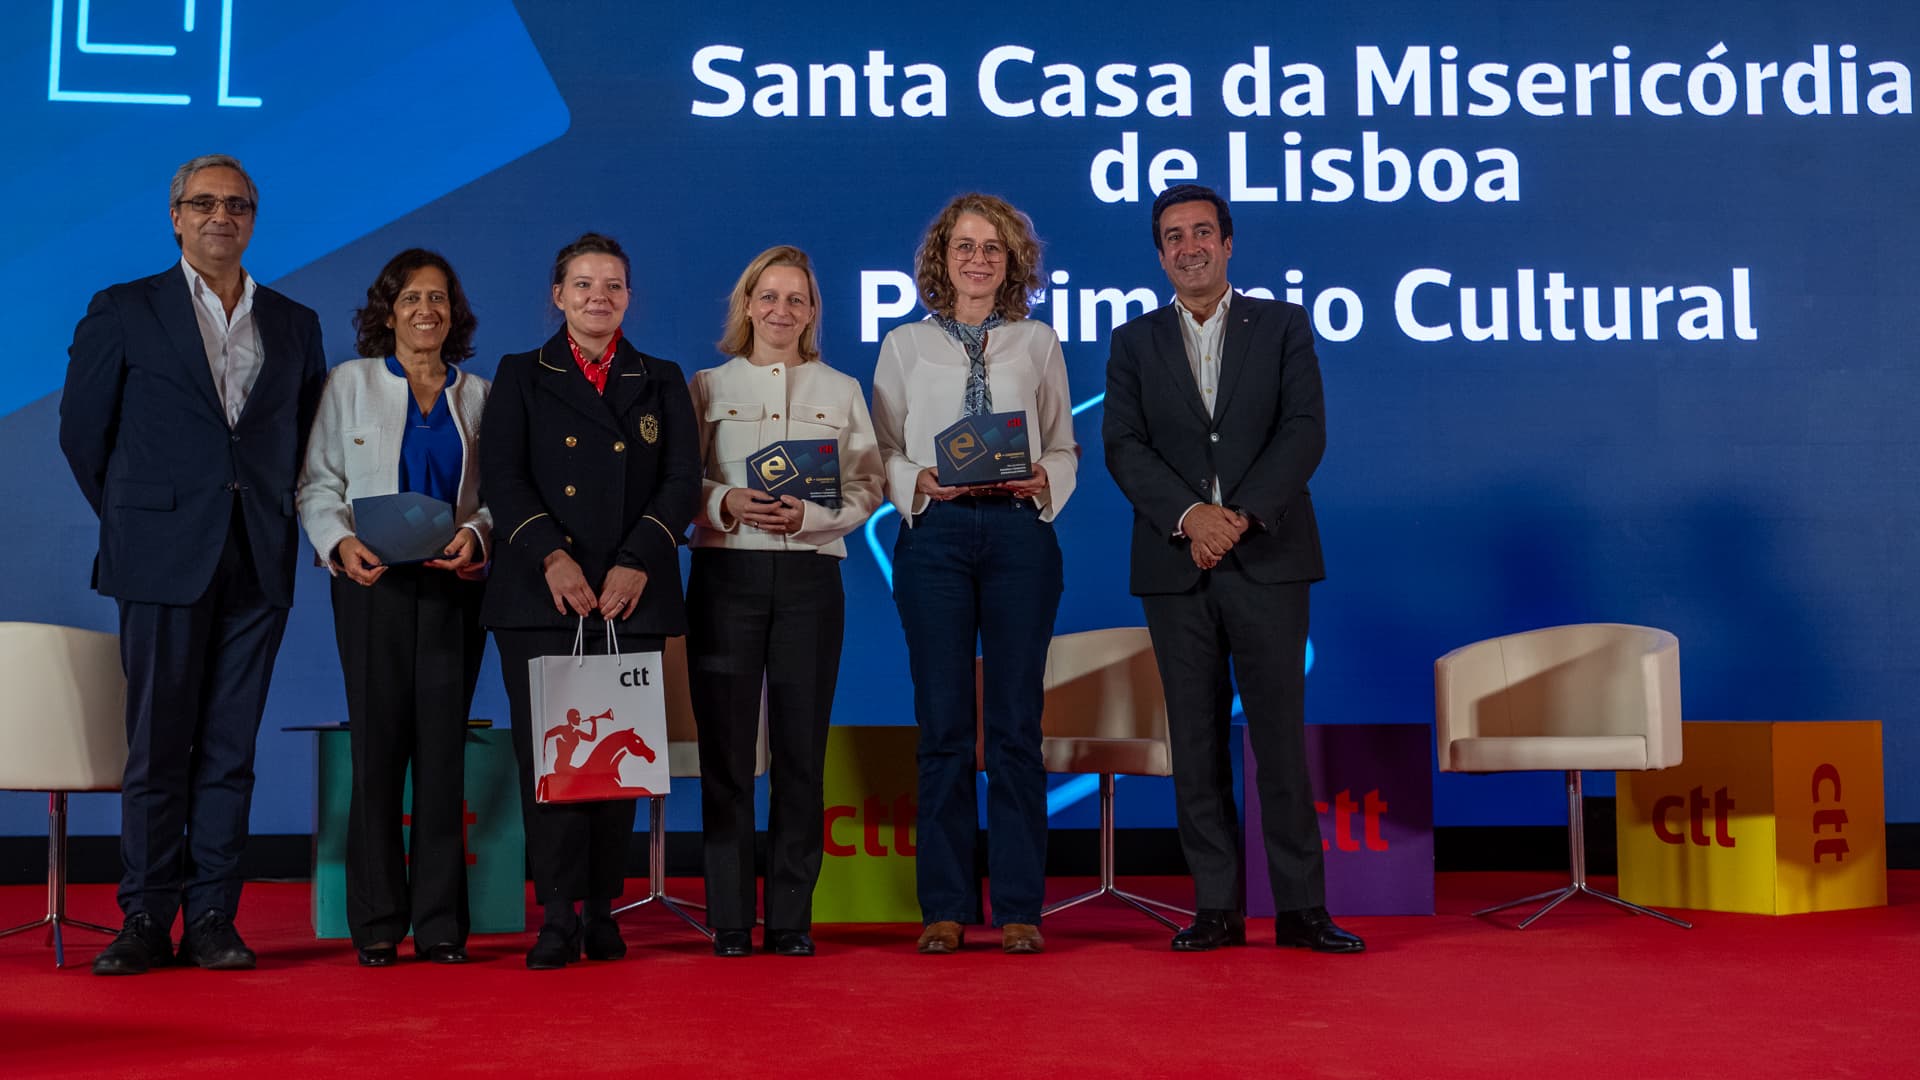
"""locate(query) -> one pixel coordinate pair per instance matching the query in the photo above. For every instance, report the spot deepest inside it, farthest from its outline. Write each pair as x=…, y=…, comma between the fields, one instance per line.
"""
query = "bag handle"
x=580, y=641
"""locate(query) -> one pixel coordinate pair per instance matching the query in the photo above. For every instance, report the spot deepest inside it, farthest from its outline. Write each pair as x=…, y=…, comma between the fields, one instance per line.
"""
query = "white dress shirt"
x=742, y=407
x=234, y=352
x=920, y=390
x=1204, y=341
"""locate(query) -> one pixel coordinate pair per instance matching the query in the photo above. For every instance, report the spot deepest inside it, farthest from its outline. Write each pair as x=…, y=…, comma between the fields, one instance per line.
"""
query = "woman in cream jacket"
x=404, y=419
x=764, y=601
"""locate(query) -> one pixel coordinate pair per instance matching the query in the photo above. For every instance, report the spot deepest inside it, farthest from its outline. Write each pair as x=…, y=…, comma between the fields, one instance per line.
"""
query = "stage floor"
x=1587, y=991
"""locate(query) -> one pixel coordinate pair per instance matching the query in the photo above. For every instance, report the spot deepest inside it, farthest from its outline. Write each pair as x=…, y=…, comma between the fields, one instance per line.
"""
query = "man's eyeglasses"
x=236, y=205
x=965, y=250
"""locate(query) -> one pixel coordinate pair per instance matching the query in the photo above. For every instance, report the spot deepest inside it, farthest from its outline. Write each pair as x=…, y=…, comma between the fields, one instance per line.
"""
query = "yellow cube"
x=867, y=874
x=1769, y=818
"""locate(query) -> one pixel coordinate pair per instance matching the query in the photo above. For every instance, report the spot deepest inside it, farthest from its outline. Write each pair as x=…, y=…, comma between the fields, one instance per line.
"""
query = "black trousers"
x=196, y=688
x=1262, y=630
x=774, y=618
x=577, y=851
x=410, y=648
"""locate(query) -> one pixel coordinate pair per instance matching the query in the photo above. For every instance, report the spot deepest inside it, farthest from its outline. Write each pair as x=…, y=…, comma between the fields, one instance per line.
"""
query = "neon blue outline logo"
x=83, y=41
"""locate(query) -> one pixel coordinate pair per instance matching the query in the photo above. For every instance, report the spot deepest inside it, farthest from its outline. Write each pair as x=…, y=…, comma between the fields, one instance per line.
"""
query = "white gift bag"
x=599, y=724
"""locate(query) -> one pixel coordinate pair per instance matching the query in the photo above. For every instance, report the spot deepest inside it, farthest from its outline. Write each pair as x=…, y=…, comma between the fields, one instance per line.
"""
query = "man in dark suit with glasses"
x=184, y=418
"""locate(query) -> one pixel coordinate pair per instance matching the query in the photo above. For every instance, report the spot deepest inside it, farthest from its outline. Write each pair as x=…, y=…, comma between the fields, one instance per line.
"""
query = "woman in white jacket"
x=764, y=602
x=404, y=419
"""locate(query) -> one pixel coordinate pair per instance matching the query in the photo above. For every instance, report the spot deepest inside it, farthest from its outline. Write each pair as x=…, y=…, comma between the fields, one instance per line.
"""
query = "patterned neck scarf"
x=595, y=370
x=979, y=401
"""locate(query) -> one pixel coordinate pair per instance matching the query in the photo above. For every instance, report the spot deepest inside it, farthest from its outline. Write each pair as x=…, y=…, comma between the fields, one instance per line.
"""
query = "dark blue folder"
x=404, y=528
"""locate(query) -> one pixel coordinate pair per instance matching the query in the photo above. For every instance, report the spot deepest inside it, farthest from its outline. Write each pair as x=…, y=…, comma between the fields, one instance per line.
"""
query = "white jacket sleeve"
x=890, y=429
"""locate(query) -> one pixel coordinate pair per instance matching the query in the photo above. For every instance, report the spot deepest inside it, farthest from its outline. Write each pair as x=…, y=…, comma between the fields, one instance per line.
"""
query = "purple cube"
x=1373, y=786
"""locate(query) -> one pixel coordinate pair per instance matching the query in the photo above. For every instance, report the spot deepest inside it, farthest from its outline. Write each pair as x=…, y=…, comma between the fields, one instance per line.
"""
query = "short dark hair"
x=1181, y=193
x=592, y=243
x=375, y=337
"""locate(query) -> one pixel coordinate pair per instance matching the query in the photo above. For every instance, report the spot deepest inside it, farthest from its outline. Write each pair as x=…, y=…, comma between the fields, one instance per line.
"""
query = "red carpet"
x=1585, y=992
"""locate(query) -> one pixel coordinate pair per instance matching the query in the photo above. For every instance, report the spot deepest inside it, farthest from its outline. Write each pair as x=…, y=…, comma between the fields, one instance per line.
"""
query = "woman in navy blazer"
x=591, y=467
x=404, y=419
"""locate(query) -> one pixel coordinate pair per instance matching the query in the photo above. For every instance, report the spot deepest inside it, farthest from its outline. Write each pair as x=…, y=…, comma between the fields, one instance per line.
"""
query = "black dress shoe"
x=446, y=953
x=1212, y=930
x=790, y=943
x=733, y=943
x=211, y=942
x=1313, y=928
x=604, y=941
x=139, y=946
x=556, y=947
x=382, y=955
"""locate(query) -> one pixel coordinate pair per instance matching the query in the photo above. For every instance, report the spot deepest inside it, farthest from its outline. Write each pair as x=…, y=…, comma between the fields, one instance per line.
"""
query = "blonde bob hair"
x=1023, y=256
x=738, y=339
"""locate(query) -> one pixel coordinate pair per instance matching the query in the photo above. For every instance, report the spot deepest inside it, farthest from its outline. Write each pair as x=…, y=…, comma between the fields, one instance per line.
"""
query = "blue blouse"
x=431, y=450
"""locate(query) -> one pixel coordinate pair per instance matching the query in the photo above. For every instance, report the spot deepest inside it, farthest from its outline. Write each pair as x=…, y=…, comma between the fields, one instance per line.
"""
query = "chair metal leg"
x=1517, y=903
x=657, y=871
x=1107, y=888
x=56, y=916
x=1577, y=860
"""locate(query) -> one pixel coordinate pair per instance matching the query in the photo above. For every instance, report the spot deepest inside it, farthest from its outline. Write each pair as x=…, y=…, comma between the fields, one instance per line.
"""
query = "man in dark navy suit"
x=184, y=418
x=1214, y=423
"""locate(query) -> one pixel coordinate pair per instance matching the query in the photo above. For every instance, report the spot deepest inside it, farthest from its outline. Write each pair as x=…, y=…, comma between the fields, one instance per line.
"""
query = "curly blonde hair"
x=738, y=338
x=1023, y=256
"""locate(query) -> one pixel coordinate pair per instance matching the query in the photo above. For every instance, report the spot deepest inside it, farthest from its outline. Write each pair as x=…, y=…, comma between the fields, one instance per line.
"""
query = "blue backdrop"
x=1610, y=295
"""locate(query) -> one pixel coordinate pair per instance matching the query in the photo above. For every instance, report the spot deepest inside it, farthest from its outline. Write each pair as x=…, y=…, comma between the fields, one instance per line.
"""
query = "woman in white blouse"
x=404, y=419
x=977, y=564
x=764, y=600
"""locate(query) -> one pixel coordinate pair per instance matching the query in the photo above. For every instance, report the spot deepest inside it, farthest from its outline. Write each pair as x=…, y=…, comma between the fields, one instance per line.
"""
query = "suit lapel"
x=1236, y=343
x=1172, y=349
x=276, y=356
x=626, y=381
x=173, y=306
x=562, y=378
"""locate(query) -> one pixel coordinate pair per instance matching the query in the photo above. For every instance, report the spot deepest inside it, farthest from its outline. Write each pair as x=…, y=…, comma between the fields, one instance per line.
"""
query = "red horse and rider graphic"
x=598, y=777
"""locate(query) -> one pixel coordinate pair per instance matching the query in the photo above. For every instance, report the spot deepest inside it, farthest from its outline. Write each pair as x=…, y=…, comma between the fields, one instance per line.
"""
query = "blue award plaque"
x=804, y=468
x=987, y=449
x=404, y=528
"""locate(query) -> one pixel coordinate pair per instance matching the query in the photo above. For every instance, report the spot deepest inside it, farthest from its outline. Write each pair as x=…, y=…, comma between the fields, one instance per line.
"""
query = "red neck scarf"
x=595, y=370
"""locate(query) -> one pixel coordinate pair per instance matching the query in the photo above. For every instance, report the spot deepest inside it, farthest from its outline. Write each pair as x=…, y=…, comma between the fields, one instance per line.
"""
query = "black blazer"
x=144, y=431
x=613, y=479
x=1263, y=441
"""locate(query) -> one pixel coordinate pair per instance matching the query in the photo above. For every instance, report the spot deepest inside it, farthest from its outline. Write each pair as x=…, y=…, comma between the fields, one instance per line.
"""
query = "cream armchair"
x=63, y=728
x=1567, y=699
x=1105, y=713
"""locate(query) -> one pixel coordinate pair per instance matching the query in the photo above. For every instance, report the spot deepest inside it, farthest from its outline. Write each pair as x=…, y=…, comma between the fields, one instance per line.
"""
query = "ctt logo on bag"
x=601, y=725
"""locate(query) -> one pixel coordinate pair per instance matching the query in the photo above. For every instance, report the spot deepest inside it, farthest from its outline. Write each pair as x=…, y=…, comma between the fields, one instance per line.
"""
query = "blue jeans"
x=983, y=570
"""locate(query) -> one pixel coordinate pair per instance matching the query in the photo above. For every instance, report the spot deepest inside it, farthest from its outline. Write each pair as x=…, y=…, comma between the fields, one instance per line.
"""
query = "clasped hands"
x=364, y=567
x=928, y=484
x=780, y=516
x=618, y=596
x=1211, y=532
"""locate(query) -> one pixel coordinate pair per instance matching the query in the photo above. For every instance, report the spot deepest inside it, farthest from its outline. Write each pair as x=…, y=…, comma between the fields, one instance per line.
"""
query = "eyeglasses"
x=965, y=250
x=236, y=205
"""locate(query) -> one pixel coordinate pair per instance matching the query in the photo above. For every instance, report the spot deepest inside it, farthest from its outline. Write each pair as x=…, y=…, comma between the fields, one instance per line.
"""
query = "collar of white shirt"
x=1219, y=311
x=198, y=288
